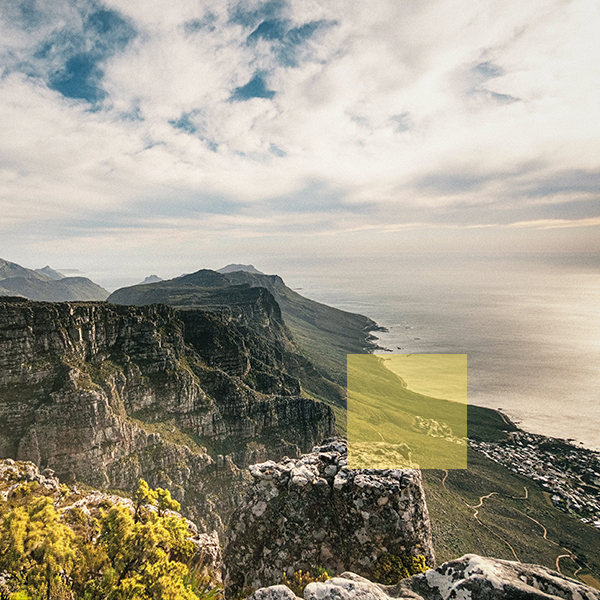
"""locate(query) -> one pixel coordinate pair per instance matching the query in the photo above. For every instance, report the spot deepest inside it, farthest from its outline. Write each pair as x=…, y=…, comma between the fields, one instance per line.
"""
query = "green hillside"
x=381, y=409
x=514, y=514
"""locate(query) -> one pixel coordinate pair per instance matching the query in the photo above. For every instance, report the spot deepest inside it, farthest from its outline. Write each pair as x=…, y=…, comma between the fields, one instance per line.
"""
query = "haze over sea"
x=530, y=325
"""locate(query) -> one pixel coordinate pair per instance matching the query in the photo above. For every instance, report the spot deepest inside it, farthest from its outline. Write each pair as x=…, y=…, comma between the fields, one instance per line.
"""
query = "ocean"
x=530, y=325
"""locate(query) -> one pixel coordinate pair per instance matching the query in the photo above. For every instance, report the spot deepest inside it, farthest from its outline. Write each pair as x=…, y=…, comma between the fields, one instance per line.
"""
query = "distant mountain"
x=50, y=273
x=322, y=334
x=10, y=269
x=46, y=284
x=232, y=268
x=66, y=289
x=325, y=334
x=151, y=279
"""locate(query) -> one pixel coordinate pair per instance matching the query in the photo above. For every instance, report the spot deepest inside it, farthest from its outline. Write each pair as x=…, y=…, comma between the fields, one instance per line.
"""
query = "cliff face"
x=315, y=512
x=322, y=334
x=108, y=394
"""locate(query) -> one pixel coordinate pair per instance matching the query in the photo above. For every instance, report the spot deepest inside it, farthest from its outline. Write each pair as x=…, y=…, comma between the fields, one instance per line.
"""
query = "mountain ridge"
x=46, y=284
x=322, y=334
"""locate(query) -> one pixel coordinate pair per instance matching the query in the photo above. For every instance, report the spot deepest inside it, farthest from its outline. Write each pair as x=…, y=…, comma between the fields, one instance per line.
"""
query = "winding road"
x=571, y=555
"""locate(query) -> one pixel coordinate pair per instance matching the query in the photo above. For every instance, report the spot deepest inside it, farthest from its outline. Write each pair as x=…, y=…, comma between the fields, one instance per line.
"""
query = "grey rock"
x=475, y=577
x=470, y=577
x=275, y=592
x=310, y=519
x=348, y=586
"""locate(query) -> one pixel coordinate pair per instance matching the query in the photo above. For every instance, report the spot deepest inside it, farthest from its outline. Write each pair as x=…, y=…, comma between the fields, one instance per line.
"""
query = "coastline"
x=529, y=425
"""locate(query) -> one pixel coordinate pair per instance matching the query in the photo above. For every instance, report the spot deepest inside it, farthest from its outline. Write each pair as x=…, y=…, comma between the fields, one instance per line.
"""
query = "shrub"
x=390, y=568
x=49, y=555
x=300, y=580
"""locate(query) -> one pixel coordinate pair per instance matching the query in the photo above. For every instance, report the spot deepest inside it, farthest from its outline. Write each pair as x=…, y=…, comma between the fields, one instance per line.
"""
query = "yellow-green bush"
x=390, y=568
x=300, y=580
x=117, y=556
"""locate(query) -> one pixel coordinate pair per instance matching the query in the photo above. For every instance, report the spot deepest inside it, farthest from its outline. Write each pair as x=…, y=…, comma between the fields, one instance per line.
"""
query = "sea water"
x=530, y=325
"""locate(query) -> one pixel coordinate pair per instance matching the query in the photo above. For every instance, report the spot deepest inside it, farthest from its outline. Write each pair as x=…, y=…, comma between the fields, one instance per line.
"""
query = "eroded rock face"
x=110, y=394
x=315, y=512
x=471, y=577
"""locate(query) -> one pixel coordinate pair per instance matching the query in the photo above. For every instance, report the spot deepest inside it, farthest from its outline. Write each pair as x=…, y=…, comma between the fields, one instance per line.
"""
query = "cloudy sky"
x=161, y=135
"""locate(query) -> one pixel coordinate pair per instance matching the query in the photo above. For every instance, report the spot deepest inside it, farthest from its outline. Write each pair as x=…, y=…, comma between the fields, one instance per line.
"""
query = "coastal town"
x=568, y=473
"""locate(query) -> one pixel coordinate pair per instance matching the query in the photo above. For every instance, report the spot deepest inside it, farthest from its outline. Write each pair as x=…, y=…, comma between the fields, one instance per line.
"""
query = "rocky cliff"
x=322, y=334
x=315, y=512
x=108, y=394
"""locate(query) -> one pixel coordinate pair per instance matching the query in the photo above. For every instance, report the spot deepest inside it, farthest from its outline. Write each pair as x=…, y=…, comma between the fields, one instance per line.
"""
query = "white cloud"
x=469, y=139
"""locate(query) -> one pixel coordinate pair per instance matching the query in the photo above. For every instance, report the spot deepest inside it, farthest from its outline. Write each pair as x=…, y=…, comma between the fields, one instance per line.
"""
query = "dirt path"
x=558, y=561
x=481, y=499
x=444, y=479
x=570, y=554
x=478, y=506
x=538, y=523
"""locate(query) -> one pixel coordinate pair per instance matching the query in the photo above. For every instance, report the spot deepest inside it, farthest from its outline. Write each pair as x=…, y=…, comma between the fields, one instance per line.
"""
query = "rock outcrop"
x=107, y=394
x=471, y=577
x=315, y=512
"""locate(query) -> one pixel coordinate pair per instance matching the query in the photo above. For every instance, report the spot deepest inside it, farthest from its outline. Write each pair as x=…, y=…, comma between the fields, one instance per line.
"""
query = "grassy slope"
x=382, y=409
x=504, y=515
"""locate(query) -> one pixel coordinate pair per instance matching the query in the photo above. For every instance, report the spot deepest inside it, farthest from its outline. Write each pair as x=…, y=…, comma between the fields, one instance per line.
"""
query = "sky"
x=142, y=137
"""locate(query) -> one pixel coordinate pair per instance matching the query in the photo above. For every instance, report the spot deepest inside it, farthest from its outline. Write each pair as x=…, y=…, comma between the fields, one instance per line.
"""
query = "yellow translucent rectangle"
x=407, y=411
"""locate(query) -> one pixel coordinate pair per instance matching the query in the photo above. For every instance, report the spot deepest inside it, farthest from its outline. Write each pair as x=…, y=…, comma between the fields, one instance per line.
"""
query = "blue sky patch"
x=113, y=32
x=24, y=12
x=402, y=122
x=70, y=57
x=287, y=41
x=79, y=79
x=193, y=124
x=185, y=123
x=277, y=151
x=206, y=23
x=488, y=70
x=271, y=9
x=255, y=88
x=272, y=29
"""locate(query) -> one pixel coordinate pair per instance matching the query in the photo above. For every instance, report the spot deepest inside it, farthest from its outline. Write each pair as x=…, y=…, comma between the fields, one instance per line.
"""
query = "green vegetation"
x=390, y=569
x=386, y=419
x=486, y=425
x=168, y=429
x=49, y=553
x=300, y=580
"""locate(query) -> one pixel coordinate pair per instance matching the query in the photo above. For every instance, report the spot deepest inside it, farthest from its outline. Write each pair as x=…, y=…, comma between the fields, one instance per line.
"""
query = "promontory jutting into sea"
x=530, y=325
